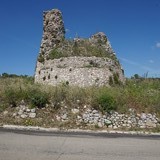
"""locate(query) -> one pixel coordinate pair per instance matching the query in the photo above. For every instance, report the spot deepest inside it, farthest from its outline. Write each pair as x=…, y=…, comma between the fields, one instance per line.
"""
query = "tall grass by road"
x=141, y=94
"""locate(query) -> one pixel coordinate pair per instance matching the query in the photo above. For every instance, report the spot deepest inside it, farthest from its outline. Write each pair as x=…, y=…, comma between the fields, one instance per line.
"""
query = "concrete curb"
x=36, y=128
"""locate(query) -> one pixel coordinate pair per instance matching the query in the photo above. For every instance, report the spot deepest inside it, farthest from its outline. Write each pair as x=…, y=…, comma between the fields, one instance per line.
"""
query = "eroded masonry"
x=81, y=62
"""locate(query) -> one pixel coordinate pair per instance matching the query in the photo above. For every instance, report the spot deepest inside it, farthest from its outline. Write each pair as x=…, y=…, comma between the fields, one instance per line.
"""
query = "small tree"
x=136, y=76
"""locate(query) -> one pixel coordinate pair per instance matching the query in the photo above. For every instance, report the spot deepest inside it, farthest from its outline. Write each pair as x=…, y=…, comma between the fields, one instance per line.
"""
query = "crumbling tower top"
x=53, y=30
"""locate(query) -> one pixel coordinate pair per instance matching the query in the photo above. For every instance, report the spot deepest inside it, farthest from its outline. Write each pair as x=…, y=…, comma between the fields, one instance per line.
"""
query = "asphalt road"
x=16, y=145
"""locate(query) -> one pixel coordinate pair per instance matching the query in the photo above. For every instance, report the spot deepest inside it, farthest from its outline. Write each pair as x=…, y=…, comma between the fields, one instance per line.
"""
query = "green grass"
x=84, y=48
x=142, y=95
x=55, y=54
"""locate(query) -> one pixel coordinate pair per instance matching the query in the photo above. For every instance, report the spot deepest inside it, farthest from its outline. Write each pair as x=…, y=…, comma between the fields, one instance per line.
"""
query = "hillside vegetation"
x=140, y=94
x=82, y=48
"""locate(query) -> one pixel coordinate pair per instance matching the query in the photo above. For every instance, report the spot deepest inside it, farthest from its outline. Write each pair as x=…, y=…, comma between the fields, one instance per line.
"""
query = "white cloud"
x=145, y=68
x=67, y=30
x=158, y=44
x=151, y=61
x=129, y=61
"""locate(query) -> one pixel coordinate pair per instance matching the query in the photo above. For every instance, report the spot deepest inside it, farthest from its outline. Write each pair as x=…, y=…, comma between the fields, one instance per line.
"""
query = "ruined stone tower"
x=80, y=62
x=53, y=31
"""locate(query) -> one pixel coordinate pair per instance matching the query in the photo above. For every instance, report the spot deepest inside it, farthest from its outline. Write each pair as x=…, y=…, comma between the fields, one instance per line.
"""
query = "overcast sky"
x=132, y=27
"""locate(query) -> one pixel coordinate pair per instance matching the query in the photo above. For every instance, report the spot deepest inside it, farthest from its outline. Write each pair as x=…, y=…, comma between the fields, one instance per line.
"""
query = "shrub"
x=14, y=90
x=13, y=96
x=107, y=102
x=76, y=49
x=77, y=93
x=55, y=53
x=2, y=107
x=116, y=78
x=38, y=98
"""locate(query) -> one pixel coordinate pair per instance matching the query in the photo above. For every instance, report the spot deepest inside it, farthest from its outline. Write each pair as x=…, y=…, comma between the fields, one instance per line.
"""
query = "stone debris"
x=64, y=117
x=20, y=112
x=93, y=117
x=28, y=110
x=58, y=118
x=33, y=110
x=14, y=114
x=115, y=120
x=5, y=113
x=24, y=112
x=23, y=116
x=75, y=111
x=32, y=115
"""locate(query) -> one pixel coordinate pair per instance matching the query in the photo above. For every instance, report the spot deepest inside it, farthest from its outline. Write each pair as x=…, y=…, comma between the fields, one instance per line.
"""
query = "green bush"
x=14, y=90
x=107, y=103
x=54, y=54
x=2, y=107
x=13, y=96
x=38, y=98
x=116, y=79
x=59, y=94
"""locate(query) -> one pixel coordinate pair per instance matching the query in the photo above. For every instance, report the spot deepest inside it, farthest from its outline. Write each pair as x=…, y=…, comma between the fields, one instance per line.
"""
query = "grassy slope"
x=143, y=95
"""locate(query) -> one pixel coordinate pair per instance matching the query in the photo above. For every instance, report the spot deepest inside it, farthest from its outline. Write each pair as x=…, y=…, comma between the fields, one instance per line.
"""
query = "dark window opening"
x=56, y=77
x=44, y=78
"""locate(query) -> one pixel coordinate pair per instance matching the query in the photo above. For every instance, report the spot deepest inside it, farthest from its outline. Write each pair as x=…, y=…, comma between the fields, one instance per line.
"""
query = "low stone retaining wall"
x=92, y=117
x=116, y=120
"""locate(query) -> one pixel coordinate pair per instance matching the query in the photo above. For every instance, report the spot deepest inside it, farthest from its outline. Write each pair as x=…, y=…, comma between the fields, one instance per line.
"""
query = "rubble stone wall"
x=81, y=71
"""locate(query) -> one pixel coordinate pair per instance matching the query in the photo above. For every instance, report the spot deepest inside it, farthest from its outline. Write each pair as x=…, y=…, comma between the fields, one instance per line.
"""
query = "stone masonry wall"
x=81, y=71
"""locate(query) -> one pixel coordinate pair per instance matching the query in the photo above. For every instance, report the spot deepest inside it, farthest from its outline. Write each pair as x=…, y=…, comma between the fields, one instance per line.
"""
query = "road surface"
x=15, y=145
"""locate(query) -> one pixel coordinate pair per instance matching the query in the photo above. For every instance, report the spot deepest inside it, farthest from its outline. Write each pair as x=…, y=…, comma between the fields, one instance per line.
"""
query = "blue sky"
x=132, y=26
